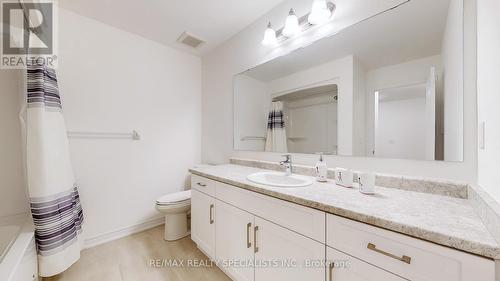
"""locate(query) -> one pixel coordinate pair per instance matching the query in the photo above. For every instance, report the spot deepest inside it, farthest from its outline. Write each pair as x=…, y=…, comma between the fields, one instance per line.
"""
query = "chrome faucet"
x=288, y=164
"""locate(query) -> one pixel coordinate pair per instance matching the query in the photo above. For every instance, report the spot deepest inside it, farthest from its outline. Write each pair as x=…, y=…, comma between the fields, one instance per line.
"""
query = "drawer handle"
x=373, y=247
x=255, y=248
x=211, y=215
x=201, y=184
x=330, y=271
x=249, y=244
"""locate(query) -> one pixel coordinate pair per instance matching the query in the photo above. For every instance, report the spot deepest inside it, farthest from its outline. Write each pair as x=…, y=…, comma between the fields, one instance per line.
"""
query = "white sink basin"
x=279, y=179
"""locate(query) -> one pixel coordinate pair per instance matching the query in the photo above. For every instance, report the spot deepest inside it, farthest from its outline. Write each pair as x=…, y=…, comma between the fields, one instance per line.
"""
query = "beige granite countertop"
x=443, y=220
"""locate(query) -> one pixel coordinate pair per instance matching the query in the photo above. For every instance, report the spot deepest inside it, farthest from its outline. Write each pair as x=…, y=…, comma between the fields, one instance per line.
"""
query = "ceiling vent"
x=190, y=40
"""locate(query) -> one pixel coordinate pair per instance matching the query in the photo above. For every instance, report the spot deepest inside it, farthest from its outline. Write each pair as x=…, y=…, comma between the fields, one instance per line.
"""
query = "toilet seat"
x=174, y=198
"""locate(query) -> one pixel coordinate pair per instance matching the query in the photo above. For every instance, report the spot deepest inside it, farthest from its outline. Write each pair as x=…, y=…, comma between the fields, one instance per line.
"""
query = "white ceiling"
x=163, y=21
x=413, y=30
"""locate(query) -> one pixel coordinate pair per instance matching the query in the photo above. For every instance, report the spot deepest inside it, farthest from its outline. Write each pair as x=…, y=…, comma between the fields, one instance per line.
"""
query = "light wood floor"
x=128, y=259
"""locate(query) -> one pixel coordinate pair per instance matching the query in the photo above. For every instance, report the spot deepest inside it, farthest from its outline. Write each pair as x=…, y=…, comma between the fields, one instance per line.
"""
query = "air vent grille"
x=190, y=40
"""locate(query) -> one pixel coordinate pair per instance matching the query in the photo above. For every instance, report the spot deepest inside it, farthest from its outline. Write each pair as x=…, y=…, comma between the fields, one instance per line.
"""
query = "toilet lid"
x=173, y=198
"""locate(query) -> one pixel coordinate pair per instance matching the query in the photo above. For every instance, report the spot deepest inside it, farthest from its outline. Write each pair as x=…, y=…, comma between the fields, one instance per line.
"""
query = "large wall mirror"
x=389, y=86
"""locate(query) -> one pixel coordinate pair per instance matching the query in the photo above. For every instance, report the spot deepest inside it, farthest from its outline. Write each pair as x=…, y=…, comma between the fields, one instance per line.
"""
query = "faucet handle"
x=288, y=157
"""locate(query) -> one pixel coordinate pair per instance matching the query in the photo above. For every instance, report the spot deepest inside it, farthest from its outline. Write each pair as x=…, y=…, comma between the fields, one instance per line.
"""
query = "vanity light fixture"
x=292, y=27
x=269, y=36
x=320, y=12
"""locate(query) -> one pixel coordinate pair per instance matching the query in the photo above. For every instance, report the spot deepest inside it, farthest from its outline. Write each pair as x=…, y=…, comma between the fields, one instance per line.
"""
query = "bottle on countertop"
x=321, y=169
x=366, y=183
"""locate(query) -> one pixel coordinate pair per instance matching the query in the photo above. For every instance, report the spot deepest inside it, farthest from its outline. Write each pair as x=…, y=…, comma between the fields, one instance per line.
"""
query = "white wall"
x=252, y=104
x=311, y=124
x=488, y=69
x=244, y=51
x=394, y=76
x=12, y=185
x=401, y=128
x=452, y=49
x=358, y=109
x=113, y=81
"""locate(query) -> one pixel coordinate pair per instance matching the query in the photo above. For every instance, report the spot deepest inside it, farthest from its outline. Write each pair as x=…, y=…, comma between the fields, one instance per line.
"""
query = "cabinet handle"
x=255, y=248
x=211, y=216
x=330, y=271
x=201, y=184
x=249, y=244
x=373, y=247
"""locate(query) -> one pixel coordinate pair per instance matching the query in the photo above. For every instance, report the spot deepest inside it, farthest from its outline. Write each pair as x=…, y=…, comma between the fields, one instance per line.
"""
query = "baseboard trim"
x=120, y=233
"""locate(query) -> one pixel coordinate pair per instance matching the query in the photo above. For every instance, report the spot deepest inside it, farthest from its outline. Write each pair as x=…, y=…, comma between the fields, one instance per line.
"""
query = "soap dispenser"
x=321, y=169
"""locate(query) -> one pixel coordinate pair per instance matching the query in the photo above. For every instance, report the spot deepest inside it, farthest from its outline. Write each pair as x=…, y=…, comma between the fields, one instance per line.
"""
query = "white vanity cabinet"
x=410, y=258
x=255, y=237
x=249, y=247
x=203, y=222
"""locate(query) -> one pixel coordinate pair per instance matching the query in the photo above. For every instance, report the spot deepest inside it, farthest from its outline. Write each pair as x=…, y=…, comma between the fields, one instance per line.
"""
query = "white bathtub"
x=8, y=234
x=18, y=260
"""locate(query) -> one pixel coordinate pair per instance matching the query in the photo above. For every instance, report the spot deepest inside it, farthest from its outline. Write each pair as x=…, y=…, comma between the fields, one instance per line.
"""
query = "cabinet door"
x=234, y=242
x=281, y=254
x=203, y=222
x=342, y=267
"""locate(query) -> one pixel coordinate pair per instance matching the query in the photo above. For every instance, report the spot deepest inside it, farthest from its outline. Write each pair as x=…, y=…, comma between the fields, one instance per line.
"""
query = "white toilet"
x=175, y=207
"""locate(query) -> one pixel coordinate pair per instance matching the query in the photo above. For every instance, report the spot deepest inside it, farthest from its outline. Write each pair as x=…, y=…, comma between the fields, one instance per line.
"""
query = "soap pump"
x=321, y=169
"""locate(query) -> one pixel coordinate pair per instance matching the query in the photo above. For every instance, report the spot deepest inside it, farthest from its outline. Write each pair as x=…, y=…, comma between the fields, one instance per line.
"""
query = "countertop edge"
x=482, y=250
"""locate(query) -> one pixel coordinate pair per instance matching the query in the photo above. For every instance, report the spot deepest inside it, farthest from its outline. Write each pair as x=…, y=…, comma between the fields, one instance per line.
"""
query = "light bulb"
x=291, y=25
x=269, y=36
x=319, y=12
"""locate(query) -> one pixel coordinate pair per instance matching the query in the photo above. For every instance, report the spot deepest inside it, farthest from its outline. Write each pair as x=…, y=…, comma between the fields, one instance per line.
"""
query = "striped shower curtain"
x=276, y=135
x=54, y=200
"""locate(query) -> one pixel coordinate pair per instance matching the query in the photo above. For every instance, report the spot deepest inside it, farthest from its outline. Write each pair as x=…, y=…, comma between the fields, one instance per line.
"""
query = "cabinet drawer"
x=202, y=184
x=303, y=220
x=342, y=267
x=405, y=256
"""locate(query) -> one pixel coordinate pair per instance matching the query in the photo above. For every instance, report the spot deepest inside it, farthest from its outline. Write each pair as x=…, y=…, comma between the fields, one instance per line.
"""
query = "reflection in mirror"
x=310, y=120
x=390, y=86
x=404, y=122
